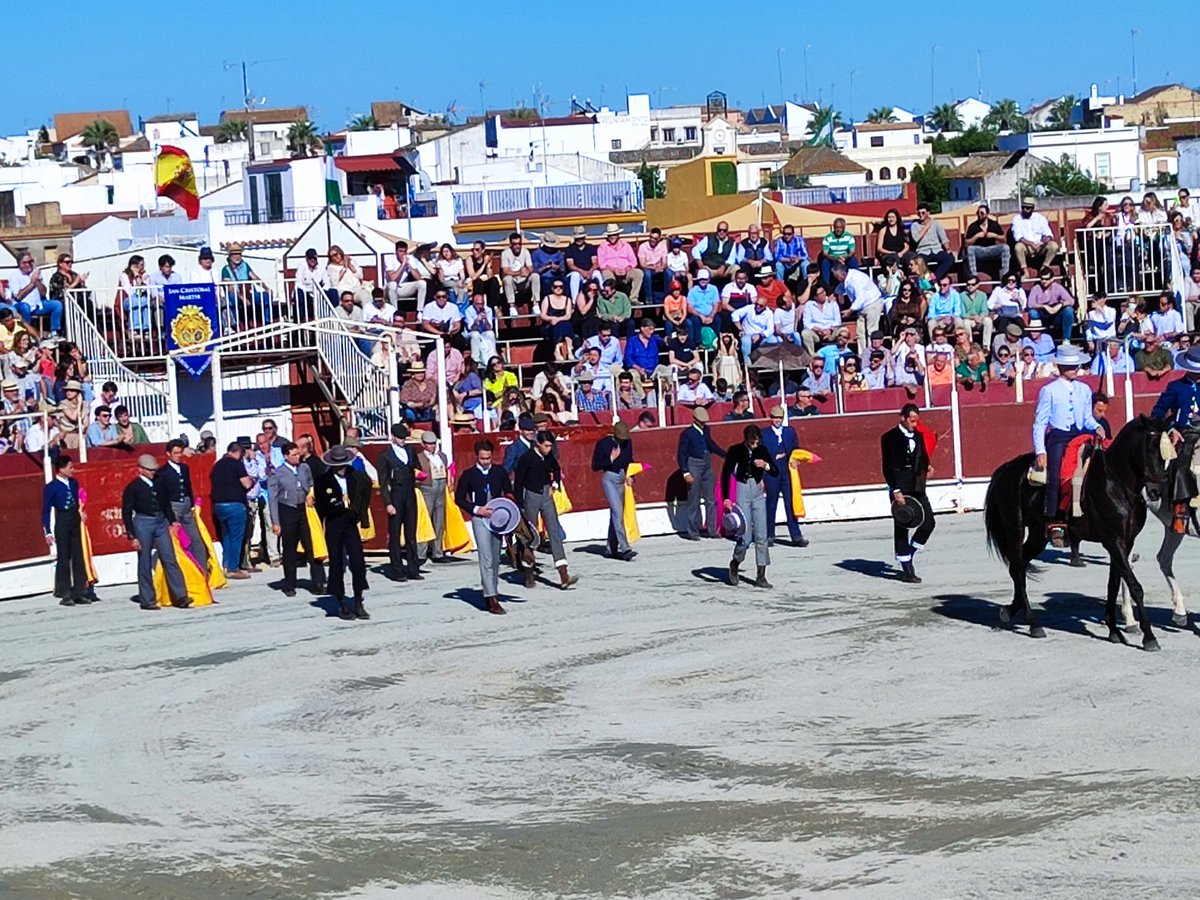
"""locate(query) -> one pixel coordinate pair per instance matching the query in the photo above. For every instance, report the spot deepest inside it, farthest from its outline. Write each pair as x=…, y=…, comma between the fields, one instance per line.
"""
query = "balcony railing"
x=856, y=194
x=619, y=196
x=290, y=214
x=1132, y=260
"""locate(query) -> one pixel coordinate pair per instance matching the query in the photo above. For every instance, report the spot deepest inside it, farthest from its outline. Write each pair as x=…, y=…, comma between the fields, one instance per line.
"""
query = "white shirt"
x=35, y=436
x=515, y=262
x=341, y=481
x=440, y=315
x=746, y=292
x=1035, y=228
x=100, y=401
x=677, y=261
x=754, y=323
x=826, y=316
x=785, y=321
x=861, y=290
x=391, y=265
x=688, y=394
x=1169, y=322
x=1007, y=303
x=312, y=279
x=201, y=275
x=380, y=315
x=1102, y=323
x=17, y=282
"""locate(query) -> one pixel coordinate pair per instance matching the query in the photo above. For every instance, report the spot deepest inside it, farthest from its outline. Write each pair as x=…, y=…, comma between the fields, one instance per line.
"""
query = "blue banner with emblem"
x=190, y=311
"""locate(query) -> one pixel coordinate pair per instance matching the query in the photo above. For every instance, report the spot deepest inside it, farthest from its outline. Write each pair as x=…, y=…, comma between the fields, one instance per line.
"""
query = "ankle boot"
x=761, y=580
x=360, y=611
x=567, y=578
x=530, y=577
x=734, y=565
x=345, y=610
x=494, y=607
x=910, y=574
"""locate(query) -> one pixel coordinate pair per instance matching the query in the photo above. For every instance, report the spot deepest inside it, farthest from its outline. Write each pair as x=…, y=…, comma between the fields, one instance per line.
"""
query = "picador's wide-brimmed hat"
x=909, y=514
x=1070, y=357
x=337, y=455
x=1189, y=360
x=505, y=516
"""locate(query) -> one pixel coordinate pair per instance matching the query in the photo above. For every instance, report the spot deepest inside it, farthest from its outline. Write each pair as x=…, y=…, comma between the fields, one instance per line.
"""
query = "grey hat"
x=1189, y=360
x=1070, y=357
x=146, y=461
x=337, y=455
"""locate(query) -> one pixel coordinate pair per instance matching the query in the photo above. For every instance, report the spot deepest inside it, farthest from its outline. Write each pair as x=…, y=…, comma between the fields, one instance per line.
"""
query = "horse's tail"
x=1003, y=517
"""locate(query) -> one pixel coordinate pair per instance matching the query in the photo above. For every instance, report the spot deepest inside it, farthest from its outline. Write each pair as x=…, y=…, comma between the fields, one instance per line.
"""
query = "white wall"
x=1189, y=163
x=103, y=237
x=383, y=140
x=1085, y=146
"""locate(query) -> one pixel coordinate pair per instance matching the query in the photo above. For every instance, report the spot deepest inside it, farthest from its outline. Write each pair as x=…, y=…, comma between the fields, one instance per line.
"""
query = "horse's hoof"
x=1150, y=645
x=1037, y=631
x=1134, y=557
x=1115, y=636
x=1076, y=563
x=1005, y=615
x=1133, y=629
x=1179, y=621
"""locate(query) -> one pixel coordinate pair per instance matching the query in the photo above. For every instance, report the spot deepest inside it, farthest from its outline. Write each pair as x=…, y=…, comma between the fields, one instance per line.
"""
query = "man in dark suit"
x=146, y=522
x=696, y=448
x=905, y=469
x=397, y=469
x=174, y=485
x=62, y=496
x=780, y=440
x=343, y=496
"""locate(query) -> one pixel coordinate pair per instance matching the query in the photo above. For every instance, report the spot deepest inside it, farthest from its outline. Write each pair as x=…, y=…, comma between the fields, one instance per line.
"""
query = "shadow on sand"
x=872, y=568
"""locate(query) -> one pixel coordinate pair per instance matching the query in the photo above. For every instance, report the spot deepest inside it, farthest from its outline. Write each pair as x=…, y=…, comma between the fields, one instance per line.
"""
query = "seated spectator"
x=945, y=306
x=791, y=256
x=1050, y=303
x=497, y=380
x=678, y=265
x=786, y=320
x=985, y=240
x=891, y=237
x=917, y=271
x=1191, y=300
x=722, y=392
x=931, y=243
x=1033, y=240
x=448, y=368
x=591, y=364
x=419, y=395
x=727, y=364
x=550, y=378
x=1154, y=359
x=652, y=258
x=609, y=347
x=629, y=395
x=452, y=273
x=467, y=394
x=1166, y=320
x=851, y=376
x=940, y=372
x=973, y=372
x=741, y=411
x=10, y=327
x=350, y=315
x=556, y=312
x=1008, y=302
x=480, y=325
x=681, y=352
x=1029, y=369
x=378, y=311
x=1113, y=358
x=1101, y=324
x=1182, y=344
x=1134, y=322
x=753, y=251
x=581, y=264
x=704, y=303
x=878, y=373
x=837, y=246
x=694, y=392
x=756, y=325
x=717, y=253
x=908, y=360
x=771, y=288
x=1010, y=337
x=818, y=379
x=643, y=351
x=735, y=296
x=587, y=317
x=587, y=398
x=108, y=396
x=556, y=405
x=29, y=297
x=938, y=343
x=73, y=417
x=312, y=280
x=128, y=431
x=889, y=279
x=1040, y=341
x=441, y=317
x=1004, y=366
x=804, y=405
x=822, y=317
x=614, y=308
x=975, y=312
x=549, y=264
x=908, y=310
x=517, y=275
x=962, y=344
x=675, y=313
x=645, y=422
x=618, y=261
x=837, y=352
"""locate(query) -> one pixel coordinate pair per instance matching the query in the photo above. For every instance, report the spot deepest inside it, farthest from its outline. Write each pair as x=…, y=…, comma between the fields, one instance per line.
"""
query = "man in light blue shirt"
x=704, y=299
x=791, y=256
x=1064, y=411
x=609, y=346
x=821, y=318
x=103, y=431
x=945, y=306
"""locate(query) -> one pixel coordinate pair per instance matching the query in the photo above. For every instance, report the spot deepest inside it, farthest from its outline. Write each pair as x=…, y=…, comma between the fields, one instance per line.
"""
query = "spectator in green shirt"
x=130, y=432
x=973, y=371
x=837, y=246
x=614, y=306
x=975, y=313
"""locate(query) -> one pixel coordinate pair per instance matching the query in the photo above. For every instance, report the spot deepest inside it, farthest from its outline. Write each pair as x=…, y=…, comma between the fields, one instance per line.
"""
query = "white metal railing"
x=360, y=366
x=1130, y=259
x=146, y=401
x=290, y=214
x=853, y=194
x=622, y=196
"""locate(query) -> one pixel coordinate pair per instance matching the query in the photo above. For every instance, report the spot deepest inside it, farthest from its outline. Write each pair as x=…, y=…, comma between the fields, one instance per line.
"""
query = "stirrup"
x=1058, y=535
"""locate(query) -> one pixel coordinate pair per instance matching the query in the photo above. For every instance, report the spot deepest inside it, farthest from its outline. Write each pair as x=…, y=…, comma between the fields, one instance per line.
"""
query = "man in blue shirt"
x=1064, y=411
x=643, y=350
x=704, y=300
x=791, y=256
x=62, y=496
x=103, y=432
x=1179, y=404
x=548, y=262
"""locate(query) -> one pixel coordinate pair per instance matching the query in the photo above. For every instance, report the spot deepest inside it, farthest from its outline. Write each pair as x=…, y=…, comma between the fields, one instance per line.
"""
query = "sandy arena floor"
x=652, y=733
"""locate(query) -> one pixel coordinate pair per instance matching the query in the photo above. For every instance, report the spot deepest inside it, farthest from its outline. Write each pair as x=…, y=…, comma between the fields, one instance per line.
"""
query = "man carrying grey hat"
x=397, y=468
x=146, y=519
x=694, y=455
x=537, y=476
x=477, y=487
x=1064, y=411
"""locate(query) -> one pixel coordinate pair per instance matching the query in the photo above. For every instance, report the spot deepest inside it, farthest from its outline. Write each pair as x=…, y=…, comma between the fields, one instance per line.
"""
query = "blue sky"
x=98, y=60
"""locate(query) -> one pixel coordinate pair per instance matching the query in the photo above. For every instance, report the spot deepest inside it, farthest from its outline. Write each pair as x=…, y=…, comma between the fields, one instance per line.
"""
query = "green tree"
x=302, y=138
x=43, y=135
x=1005, y=115
x=1063, y=179
x=233, y=131
x=945, y=117
x=1060, y=113
x=100, y=137
x=932, y=186
x=881, y=115
x=363, y=123
x=522, y=112
x=653, y=186
x=973, y=140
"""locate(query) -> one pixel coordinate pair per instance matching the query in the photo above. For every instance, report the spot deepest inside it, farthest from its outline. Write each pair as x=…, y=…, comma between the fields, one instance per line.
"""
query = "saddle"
x=1075, y=461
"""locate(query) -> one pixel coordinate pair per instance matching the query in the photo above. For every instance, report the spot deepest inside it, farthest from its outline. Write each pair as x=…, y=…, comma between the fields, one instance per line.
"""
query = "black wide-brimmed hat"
x=909, y=514
x=337, y=455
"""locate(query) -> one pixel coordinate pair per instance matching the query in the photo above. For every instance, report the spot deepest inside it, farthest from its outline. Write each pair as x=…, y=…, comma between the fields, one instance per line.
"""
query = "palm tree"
x=233, y=131
x=882, y=115
x=1060, y=112
x=302, y=138
x=363, y=123
x=100, y=137
x=1005, y=115
x=945, y=117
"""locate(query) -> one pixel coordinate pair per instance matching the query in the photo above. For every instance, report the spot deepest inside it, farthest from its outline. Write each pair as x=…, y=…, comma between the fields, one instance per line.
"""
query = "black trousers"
x=403, y=561
x=345, y=543
x=70, y=578
x=293, y=530
x=904, y=544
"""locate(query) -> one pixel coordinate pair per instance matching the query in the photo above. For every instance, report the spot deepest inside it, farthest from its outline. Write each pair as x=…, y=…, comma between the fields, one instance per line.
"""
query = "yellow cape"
x=633, y=531
x=317, y=533
x=424, y=522
x=794, y=474
x=193, y=579
x=216, y=572
x=456, y=536
x=562, y=503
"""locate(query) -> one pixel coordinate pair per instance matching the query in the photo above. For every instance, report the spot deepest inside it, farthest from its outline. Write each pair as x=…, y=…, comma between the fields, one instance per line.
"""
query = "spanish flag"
x=175, y=180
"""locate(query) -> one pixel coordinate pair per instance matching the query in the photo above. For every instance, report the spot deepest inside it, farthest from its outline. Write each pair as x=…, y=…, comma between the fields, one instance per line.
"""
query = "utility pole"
x=932, y=57
x=850, y=113
x=779, y=60
x=806, y=94
x=978, y=74
x=1133, y=32
x=248, y=101
x=482, y=105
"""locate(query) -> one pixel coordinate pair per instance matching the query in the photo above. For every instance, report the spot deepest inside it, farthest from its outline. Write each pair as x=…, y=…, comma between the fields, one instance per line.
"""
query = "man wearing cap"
x=905, y=469
x=1179, y=404
x=780, y=441
x=746, y=464
x=704, y=300
x=146, y=519
x=477, y=487
x=433, y=474
x=618, y=261
x=716, y=253
x=342, y=496
x=1032, y=237
x=694, y=455
x=66, y=537
x=791, y=256
x=611, y=457
x=1064, y=411
x=537, y=476
x=397, y=468
x=652, y=258
x=548, y=261
x=580, y=258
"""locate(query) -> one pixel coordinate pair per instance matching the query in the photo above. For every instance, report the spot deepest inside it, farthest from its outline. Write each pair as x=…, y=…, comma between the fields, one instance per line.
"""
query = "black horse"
x=1114, y=511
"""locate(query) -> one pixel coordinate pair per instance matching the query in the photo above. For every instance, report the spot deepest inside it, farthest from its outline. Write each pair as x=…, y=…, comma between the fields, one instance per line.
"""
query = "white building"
x=1189, y=162
x=1111, y=155
x=888, y=151
x=972, y=111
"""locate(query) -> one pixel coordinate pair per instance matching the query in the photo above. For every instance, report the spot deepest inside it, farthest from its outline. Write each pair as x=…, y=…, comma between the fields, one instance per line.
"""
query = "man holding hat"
x=342, y=496
x=611, y=457
x=1064, y=411
x=397, y=469
x=62, y=496
x=694, y=455
x=905, y=469
x=537, y=476
x=146, y=519
x=1179, y=404
x=745, y=466
x=477, y=488
x=433, y=473
x=780, y=442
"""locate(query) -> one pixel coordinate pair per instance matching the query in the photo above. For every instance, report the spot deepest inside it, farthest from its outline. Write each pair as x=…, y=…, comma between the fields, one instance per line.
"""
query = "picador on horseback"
x=1179, y=405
